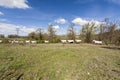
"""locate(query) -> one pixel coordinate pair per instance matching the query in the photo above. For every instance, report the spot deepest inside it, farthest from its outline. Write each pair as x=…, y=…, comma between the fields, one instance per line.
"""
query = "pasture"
x=58, y=62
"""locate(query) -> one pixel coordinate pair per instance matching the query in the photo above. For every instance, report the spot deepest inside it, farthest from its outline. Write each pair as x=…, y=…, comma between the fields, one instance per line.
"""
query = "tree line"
x=108, y=32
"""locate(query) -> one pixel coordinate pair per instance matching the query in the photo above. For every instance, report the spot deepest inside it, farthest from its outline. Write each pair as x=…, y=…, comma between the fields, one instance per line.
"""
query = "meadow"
x=59, y=62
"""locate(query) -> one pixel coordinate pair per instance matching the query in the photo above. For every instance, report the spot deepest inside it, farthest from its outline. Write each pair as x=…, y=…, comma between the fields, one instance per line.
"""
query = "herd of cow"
x=46, y=41
x=79, y=41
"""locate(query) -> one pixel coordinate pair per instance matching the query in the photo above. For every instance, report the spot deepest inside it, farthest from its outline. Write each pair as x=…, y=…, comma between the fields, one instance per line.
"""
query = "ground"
x=59, y=62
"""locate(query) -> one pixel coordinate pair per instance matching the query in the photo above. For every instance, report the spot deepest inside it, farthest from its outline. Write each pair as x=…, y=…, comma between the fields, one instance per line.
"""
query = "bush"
x=5, y=40
x=117, y=42
x=56, y=40
x=40, y=41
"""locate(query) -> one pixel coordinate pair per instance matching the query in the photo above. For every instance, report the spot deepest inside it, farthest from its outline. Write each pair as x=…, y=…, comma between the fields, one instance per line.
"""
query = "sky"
x=29, y=15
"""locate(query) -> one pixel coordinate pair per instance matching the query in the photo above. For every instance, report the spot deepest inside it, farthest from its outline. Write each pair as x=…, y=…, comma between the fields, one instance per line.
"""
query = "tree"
x=39, y=34
x=51, y=33
x=88, y=30
x=71, y=32
x=45, y=36
x=107, y=31
x=117, y=37
x=31, y=35
x=13, y=36
x=2, y=36
x=111, y=30
x=102, y=29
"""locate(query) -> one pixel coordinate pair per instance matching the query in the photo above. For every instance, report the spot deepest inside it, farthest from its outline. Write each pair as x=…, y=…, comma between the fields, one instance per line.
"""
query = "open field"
x=58, y=62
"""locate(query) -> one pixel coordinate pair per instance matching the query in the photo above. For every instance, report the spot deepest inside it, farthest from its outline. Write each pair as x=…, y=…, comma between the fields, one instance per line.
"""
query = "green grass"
x=58, y=62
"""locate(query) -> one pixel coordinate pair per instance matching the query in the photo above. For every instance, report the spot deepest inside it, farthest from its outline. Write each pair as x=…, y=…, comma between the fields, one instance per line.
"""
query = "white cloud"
x=1, y=13
x=80, y=21
x=61, y=21
x=11, y=29
x=56, y=27
x=21, y=4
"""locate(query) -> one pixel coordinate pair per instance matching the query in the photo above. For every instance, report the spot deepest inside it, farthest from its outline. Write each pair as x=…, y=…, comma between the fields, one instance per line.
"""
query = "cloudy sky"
x=28, y=15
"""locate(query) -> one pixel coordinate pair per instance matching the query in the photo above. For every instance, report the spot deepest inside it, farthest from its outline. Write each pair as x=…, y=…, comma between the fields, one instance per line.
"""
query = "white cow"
x=10, y=41
x=64, y=41
x=70, y=41
x=16, y=41
x=0, y=41
x=33, y=42
x=46, y=41
x=97, y=42
x=13, y=41
x=78, y=41
x=27, y=41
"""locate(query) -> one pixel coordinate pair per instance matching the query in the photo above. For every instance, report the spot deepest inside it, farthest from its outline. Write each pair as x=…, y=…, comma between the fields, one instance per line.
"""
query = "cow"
x=64, y=41
x=78, y=41
x=70, y=41
x=0, y=41
x=46, y=41
x=97, y=42
x=27, y=41
x=33, y=42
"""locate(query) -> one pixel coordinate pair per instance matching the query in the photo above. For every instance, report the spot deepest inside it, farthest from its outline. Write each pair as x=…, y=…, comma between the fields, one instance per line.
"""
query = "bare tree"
x=2, y=36
x=31, y=35
x=71, y=32
x=45, y=36
x=117, y=37
x=88, y=30
x=109, y=33
x=51, y=32
x=102, y=29
x=39, y=34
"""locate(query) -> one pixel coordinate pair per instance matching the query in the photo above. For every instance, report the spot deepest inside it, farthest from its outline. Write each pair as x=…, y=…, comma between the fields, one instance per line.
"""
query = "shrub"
x=56, y=40
x=5, y=40
x=40, y=41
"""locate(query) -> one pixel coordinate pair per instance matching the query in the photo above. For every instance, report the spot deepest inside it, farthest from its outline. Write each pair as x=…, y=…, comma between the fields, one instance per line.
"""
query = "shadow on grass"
x=111, y=47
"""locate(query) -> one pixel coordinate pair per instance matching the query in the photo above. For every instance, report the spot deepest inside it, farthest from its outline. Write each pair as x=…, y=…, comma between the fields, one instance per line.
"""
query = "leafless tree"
x=71, y=32
x=88, y=30
x=51, y=32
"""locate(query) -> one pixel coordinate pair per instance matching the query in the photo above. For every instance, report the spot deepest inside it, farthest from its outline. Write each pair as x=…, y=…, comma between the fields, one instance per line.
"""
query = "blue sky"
x=28, y=15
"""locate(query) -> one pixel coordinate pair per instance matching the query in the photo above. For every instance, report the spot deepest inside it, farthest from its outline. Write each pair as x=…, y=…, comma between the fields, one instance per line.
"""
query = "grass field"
x=58, y=62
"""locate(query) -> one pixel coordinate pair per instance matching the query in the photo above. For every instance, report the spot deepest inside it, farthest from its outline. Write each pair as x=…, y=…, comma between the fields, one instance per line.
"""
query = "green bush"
x=5, y=40
x=56, y=40
x=117, y=42
x=40, y=41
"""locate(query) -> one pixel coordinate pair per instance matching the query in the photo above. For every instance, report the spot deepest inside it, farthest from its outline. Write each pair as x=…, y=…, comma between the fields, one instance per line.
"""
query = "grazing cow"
x=27, y=41
x=46, y=41
x=78, y=41
x=33, y=42
x=64, y=41
x=10, y=41
x=0, y=41
x=16, y=41
x=21, y=42
x=70, y=41
x=97, y=42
